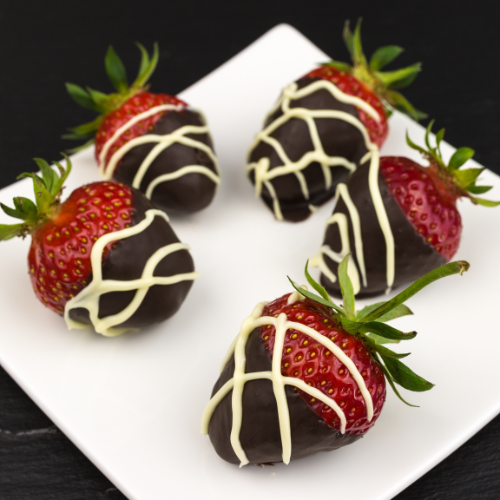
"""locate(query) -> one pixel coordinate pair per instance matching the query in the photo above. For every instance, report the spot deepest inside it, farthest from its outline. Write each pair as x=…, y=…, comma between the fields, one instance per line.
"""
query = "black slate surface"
x=45, y=43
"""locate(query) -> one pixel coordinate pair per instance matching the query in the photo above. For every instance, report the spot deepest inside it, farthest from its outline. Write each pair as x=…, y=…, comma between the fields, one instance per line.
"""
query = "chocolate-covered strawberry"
x=105, y=257
x=153, y=142
x=398, y=218
x=323, y=125
x=305, y=375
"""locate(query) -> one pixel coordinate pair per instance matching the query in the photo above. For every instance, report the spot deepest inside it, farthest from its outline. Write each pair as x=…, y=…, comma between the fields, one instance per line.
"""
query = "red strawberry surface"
x=350, y=85
x=59, y=256
x=427, y=199
x=134, y=106
x=307, y=359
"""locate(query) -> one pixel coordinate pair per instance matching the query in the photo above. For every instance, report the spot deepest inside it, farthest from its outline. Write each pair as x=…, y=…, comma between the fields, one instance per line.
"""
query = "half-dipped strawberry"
x=106, y=256
x=323, y=125
x=153, y=142
x=305, y=375
x=398, y=218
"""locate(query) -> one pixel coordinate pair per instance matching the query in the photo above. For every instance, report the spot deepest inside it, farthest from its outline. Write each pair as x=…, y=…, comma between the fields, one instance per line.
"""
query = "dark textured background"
x=46, y=43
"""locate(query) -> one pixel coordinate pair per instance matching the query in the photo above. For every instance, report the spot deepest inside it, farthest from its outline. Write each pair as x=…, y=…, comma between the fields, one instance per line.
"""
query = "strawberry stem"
x=48, y=189
x=369, y=323
x=383, y=83
x=452, y=181
x=106, y=103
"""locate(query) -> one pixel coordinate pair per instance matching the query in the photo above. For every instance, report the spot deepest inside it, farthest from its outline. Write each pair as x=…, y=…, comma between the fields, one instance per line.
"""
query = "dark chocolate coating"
x=338, y=137
x=260, y=432
x=187, y=194
x=413, y=255
x=126, y=262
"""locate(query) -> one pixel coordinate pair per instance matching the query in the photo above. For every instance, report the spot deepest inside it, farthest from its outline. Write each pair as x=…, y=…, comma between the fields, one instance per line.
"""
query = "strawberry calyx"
x=48, y=188
x=368, y=324
x=383, y=83
x=107, y=103
x=449, y=179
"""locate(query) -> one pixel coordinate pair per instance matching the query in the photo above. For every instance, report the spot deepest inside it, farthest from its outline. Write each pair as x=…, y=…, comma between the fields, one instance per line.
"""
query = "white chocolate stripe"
x=164, y=141
x=89, y=297
x=188, y=169
x=279, y=381
x=317, y=261
x=341, y=220
x=342, y=357
x=261, y=169
x=383, y=220
x=337, y=93
x=177, y=136
x=279, y=388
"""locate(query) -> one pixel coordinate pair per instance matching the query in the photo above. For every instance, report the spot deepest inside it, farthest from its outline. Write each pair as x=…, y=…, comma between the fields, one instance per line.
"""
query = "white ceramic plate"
x=133, y=404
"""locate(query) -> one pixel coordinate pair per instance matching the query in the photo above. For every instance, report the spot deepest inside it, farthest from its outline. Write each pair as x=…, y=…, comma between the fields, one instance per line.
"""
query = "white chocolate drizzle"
x=263, y=175
x=88, y=298
x=373, y=155
x=237, y=383
x=178, y=136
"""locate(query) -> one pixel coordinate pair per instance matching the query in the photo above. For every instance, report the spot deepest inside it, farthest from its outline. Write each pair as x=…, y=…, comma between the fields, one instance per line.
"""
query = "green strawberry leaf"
x=404, y=376
x=347, y=289
x=380, y=340
x=439, y=138
x=399, y=102
x=386, y=331
x=397, y=312
x=348, y=38
x=467, y=177
x=102, y=100
x=441, y=272
x=387, y=352
x=358, y=55
x=478, y=189
x=389, y=379
x=352, y=327
x=427, y=135
x=413, y=145
x=383, y=56
x=459, y=157
x=81, y=97
x=11, y=212
x=8, y=231
x=49, y=177
x=26, y=208
x=400, y=78
x=313, y=296
x=147, y=66
x=64, y=171
x=314, y=284
x=88, y=128
x=484, y=203
x=116, y=71
x=144, y=60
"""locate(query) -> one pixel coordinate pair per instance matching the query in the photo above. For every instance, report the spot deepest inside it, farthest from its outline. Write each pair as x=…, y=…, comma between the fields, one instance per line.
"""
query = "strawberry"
x=323, y=125
x=423, y=226
x=89, y=256
x=305, y=375
x=153, y=142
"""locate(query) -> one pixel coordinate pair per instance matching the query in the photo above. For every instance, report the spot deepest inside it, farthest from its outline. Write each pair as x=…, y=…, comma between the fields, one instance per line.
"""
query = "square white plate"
x=133, y=404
